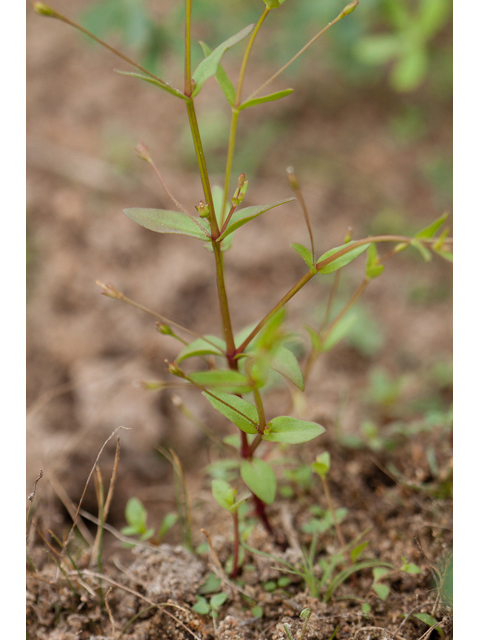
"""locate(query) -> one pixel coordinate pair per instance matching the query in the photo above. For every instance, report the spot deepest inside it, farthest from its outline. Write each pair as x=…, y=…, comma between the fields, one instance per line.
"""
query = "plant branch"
x=320, y=265
x=341, y=15
x=235, y=108
x=188, y=49
x=292, y=179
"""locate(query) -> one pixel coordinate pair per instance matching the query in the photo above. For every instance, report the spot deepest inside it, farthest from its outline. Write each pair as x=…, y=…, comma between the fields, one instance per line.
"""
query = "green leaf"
x=201, y=606
x=343, y=260
x=429, y=232
x=373, y=269
x=167, y=523
x=200, y=347
x=211, y=584
x=426, y=618
x=136, y=514
x=382, y=590
x=163, y=221
x=224, y=494
x=314, y=339
x=424, y=252
x=242, y=216
x=259, y=478
x=209, y=65
x=356, y=552
x=228, y=381
x=447, y=255
x=305, y=254
x=432, y=15
x=270, y=98
x=239, y=411
x=257, y=612
x=217, y=600
x=379, y=572
x=291, y=430
x=410, y=567
x=286, y=364
x=378, y=49
x=156, y=82
x=221, y=77
x=322, y=464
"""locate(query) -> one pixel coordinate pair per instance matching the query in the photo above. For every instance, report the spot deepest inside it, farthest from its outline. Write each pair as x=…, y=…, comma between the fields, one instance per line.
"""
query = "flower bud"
x=175, y=370
x=43, y=9
x=292, y=178
x=164, y=329
x=203, y=210
x=110, y=291
x=348, y=9
x=142, y=152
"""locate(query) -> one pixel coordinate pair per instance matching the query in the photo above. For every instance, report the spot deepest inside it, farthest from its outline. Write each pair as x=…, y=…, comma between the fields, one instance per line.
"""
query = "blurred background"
x=369, y=132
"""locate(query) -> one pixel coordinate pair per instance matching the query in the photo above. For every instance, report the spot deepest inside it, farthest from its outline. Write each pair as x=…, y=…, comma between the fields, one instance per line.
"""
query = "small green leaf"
x=224, y=494
x=410, y=567
x=379, y=572
x=228, y=381
x=305, y=254
x=257, y=612
x=217, y=600
x=162, y=221
x=283, y=582
x=167, y=523
x=200, y=347
x=424, y=252
x=201, y=606
x=242, y=216
x=156, y=82
x=270, y=98
x=426, y=618
x=211, y=584
x=373, y=269
x=429, y=232
x=343, y=260
x=356, y=552
x=221, y=77
x=446, y=255
x=322, y=464
x=259, y=478
x=238, y=410
x=314, y=339
x=136, y=514
x=208, y=66
x=286, y=364
x=291, y=430
x=382, y=590
x=366, y=608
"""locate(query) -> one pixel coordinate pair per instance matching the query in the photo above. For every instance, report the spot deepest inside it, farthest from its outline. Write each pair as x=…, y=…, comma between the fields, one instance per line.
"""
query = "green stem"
x=222, y=293
x=235, y=110
x=188, y=49
x=236, y=545
x=332, y=511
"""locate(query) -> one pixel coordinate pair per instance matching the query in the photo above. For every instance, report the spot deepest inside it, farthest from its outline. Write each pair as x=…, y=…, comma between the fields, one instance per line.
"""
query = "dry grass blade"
x=69, y=537
x=31, y=498
x=69, y=506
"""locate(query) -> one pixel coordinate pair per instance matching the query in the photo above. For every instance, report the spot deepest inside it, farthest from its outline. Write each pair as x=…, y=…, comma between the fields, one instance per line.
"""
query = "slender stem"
x=111, y=292
x=320, y=265
x=236, y=545
x=297, y=55
x=227, y=219
x=202, y=165
x=236, y=104
x=188, y=49
x=63, y=18
x=222, y=296
x=230, y=152
x=292, y=178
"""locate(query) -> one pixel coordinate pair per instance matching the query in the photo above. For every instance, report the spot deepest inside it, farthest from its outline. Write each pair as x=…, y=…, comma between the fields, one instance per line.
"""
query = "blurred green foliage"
x=399, y=38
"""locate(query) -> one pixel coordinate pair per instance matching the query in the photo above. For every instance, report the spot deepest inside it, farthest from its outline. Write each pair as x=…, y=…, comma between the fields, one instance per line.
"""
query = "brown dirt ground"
x=86, y=355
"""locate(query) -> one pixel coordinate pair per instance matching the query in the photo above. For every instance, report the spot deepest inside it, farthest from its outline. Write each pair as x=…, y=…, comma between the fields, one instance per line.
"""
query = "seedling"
x=136, y=516
x=305, y=616
x=241, y=365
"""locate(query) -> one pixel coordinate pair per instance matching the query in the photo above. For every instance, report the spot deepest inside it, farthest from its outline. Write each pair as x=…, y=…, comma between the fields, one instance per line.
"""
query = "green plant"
x=234, y=371
x=136, y=516
x=305, y=616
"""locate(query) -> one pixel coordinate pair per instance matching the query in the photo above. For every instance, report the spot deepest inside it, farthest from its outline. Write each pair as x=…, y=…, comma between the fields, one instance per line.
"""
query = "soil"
x=88, y=355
